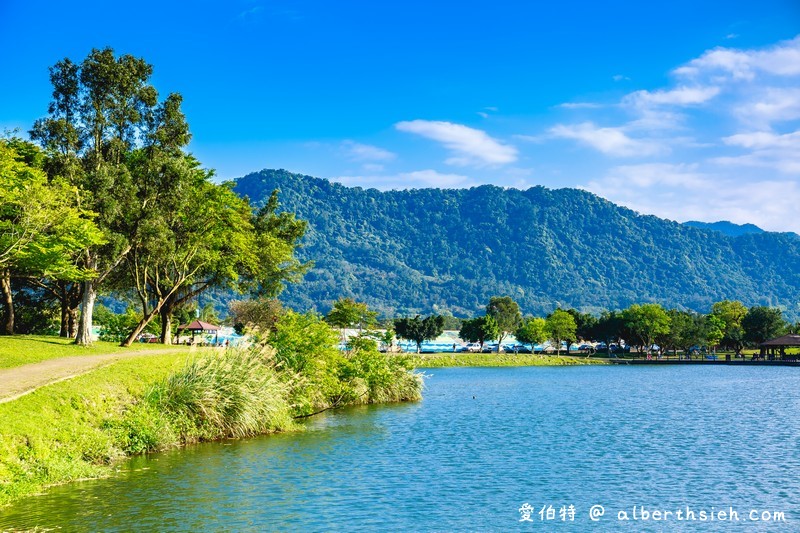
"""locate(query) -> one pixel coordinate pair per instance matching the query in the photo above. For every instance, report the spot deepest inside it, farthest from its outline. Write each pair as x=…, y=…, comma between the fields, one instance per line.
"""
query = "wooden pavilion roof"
x=199, y=325
x=786, y=340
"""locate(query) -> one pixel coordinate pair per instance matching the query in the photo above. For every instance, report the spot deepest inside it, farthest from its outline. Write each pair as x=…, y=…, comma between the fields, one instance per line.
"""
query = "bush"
x=323, y=377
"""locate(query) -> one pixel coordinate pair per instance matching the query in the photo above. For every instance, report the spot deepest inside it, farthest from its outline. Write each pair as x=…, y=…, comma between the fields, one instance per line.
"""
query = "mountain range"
x=450, y=250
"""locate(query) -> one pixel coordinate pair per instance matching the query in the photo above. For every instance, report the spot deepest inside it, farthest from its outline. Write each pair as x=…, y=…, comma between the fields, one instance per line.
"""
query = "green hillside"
x=450, y=250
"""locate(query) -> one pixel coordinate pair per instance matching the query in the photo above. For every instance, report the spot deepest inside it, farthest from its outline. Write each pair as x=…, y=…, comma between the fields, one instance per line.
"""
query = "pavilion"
x=198, y=326
x=779, y=344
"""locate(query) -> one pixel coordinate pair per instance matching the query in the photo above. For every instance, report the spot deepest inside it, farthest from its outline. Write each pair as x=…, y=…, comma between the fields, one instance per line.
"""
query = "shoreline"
x=84, y=427
x=448, y=359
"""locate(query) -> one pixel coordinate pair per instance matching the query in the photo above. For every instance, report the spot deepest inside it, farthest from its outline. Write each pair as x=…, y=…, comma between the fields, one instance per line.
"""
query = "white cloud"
x=650, y=175
x=471, y=146
x=620, y=77
x=364, y=152
x=409, y=180
x=782, y=59
x=770, y=105
x=767, y=150
x=680, y=96
x=765, y=139
x=580, y=105
x=610, y=141
x=683, y=192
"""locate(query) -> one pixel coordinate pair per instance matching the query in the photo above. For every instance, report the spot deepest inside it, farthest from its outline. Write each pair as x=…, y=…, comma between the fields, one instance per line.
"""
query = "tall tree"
x=202, y=232
x=419, y=330
x=506, y=313
x=731, y=313
x=347, y=313
x=610, y=328
x=560, y=326
x=685, y=330
x=101, y=110
x=646, y=322
x=479, y=329
x=714, y=331
x=762, y=323
x=532, y=331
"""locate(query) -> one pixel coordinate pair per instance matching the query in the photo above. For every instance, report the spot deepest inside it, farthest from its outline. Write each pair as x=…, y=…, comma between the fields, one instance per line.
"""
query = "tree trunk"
x=63, y=331
x=8, y=304
x=146, y=319
x=69, y=297
x=166, y=325
x=72, y=322
x=84, y=336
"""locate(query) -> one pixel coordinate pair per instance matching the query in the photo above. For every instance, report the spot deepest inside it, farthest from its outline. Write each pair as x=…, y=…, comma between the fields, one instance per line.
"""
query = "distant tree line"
x=107, y=199
x=729, y=325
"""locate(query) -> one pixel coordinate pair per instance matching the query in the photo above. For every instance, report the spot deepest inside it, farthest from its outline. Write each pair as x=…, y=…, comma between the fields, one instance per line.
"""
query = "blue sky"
x=682, y=109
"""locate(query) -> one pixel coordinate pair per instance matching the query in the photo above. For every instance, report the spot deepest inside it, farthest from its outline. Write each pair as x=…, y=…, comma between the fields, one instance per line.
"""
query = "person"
x=454, y=347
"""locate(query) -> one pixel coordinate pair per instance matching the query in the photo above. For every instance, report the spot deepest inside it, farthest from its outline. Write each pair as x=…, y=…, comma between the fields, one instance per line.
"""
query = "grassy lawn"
x=20, y=350
x=436, y=360
x=59, y=433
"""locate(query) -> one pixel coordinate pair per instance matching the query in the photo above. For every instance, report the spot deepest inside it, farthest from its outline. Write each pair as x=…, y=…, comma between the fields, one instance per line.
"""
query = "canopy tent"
x=198, y=326
x=780, y=344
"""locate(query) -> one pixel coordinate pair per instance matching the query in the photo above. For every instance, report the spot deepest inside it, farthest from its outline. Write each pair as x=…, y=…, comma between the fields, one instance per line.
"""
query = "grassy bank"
x=18, y=350
x=60, y=432
x=438, y=360
x=82, y=427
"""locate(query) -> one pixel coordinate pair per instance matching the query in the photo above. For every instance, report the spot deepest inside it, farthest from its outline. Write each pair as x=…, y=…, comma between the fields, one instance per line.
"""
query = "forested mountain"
x=439, y=250
x=728, y=228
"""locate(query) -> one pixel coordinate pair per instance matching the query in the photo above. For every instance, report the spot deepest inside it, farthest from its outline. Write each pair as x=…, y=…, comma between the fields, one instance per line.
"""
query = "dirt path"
x=21, y=380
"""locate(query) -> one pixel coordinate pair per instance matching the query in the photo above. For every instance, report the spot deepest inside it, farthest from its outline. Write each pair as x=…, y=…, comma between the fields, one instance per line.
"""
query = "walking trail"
x=22, y=380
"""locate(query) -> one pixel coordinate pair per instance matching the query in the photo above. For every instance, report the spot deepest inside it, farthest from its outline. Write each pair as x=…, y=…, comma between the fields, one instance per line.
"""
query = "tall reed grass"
x=230, y=395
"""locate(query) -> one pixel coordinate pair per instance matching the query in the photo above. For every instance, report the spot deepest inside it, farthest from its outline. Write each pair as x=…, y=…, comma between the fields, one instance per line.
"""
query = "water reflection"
x=481, y=443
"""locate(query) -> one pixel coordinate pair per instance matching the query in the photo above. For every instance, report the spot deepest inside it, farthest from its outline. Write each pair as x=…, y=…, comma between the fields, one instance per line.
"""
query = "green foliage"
x=418, y=329
x=347, y=313
x=34, y=312
x=585, y=323
x=610, y=327
x=731, y=313
x=116, y=327
x=646, y=322
x=685, y=330
x=560, y=326
x=532, y=331
x=479, y=329
x=78, y=428
x=506, y=313
x=545, y=248
x=714, y=329
x=320, y=376
x=762, y=323
x=41, y=227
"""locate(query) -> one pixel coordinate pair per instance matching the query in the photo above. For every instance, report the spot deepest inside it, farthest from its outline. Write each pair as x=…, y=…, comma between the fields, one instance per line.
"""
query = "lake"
x=483, y=442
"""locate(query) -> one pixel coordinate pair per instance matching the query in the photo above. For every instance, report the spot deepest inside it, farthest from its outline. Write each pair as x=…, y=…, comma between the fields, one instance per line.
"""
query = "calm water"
x=482, y=443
